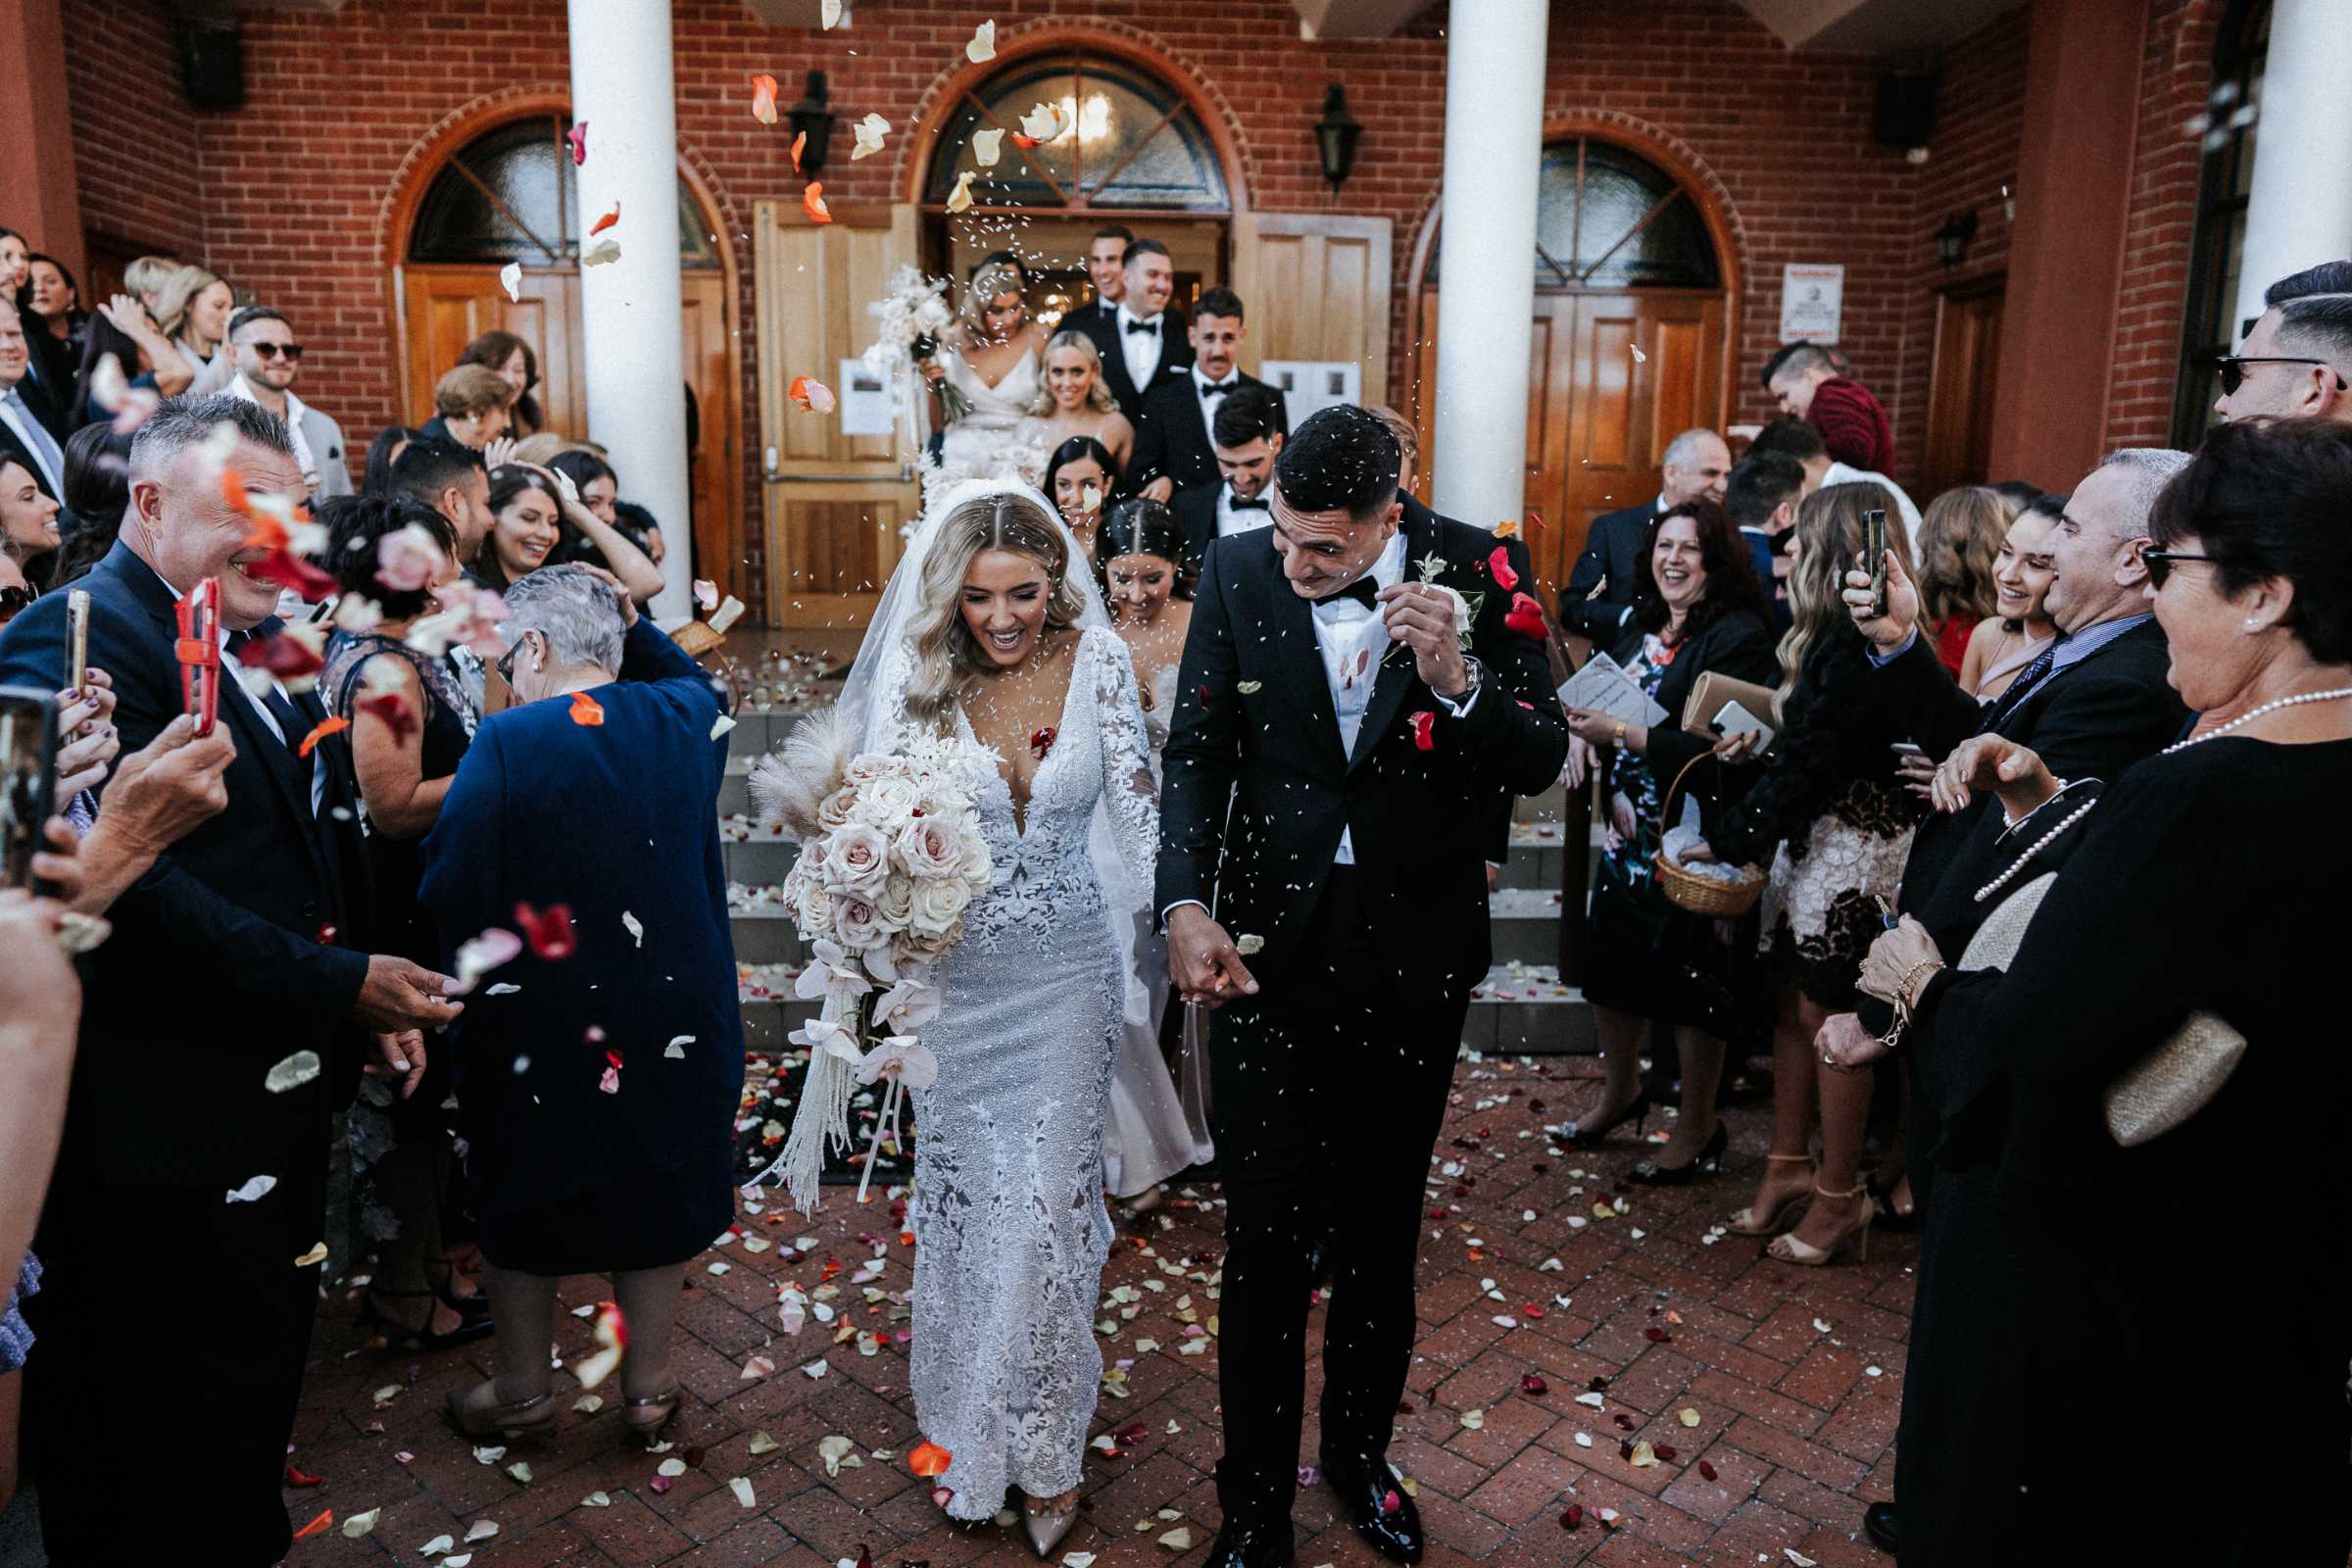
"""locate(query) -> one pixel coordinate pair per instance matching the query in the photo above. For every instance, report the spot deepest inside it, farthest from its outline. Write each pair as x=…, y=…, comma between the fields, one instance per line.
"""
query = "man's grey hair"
x=577, y=612
x=1683, y=451
x=2146, y=470
x=178, y=423
x=2320, y=326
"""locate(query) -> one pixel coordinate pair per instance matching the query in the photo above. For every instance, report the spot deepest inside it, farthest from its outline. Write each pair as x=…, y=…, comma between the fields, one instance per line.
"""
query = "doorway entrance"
x=508, y=194
x=1633, y=336
x=1967, y=366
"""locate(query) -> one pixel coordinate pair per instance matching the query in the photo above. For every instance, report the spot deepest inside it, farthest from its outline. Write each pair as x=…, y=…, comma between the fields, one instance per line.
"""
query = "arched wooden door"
x=1632, y=339
x=509, y=195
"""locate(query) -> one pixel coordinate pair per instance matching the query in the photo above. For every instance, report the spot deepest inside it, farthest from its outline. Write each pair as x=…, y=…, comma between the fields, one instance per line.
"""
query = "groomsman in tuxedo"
x=1107, y=267
x=1143, y=342
x=225, y=1021
x=1173, y=440
x=1247, y=433
x=1327, y=696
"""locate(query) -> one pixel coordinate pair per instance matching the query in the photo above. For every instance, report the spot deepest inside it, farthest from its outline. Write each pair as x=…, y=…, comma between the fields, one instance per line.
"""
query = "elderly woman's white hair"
x=576, y=611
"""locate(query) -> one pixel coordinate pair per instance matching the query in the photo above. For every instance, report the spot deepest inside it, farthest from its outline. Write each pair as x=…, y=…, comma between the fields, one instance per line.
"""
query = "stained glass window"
x=511, y=195
x=1608, y=218
x=1125, y=141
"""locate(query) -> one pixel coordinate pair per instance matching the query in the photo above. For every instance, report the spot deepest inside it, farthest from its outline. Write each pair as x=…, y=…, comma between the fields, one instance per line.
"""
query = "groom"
x=1363, y=746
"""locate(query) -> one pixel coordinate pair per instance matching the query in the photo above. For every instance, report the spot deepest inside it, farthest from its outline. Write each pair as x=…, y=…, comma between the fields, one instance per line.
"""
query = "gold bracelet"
x=1905, y=993
x=1619, y=738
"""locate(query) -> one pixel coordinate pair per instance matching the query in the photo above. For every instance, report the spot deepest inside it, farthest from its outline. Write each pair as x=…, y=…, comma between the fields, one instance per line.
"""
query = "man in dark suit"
x=225, y=1021
x=32, y=429
x=1249, y=438
x=1173, y=440
x=1105, y=268
x=1600, y=593
x=2096, y=701
x=1326, y=695
x=1143, y=342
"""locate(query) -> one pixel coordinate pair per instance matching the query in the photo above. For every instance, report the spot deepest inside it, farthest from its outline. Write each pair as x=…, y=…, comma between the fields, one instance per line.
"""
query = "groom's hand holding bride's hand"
x=1202, y=961
x=1422, y=619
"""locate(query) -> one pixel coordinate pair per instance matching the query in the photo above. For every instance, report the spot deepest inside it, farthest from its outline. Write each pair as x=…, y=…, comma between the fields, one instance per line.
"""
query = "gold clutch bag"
x=2164, y=1088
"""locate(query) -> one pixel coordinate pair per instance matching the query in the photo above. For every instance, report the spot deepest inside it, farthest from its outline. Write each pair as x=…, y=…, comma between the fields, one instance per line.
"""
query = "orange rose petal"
x=797, y=142
x=319, y=732
x=324, y=1521
x=811, y=395
x=763, y=99
x=812, y=202
x=929, y=1459
x=586, y=709
x=606, y=221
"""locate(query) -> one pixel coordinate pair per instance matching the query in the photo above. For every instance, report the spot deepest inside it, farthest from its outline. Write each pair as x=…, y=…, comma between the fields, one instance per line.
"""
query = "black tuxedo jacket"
x=1612, y=548
x=216, y=969
x=1172, y=437
x=1175, y=358
x=1254, y=725
x=13, y=449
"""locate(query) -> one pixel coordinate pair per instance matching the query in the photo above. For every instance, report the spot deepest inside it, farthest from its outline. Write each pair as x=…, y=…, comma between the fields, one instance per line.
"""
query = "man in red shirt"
x=1851, y=419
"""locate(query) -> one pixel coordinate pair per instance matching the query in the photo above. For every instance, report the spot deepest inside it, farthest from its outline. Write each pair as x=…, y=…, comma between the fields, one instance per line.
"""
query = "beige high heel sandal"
x=507, y=1422
x=1790, y=1249
x=1745, y=1222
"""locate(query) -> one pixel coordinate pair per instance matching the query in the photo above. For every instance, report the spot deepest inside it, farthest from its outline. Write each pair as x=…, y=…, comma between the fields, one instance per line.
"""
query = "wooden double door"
x=1610, y=380
x=447, y=306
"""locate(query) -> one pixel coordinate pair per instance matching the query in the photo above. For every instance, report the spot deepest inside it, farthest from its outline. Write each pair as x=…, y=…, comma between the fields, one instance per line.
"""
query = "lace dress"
x=1010, y=1230
x=995, y=438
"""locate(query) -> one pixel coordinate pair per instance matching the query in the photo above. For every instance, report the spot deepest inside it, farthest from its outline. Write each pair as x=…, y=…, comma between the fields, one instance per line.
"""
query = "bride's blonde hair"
x=947, y=657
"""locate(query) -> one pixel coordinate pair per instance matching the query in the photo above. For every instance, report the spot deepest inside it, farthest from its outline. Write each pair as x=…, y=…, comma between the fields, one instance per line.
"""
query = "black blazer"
x=1737, y=644
x=1172, y=437
x=1175, y=358
x=1607, y=564
x=217, y=968
x=14, y=450
x=1196, y=510
x=1254, y=726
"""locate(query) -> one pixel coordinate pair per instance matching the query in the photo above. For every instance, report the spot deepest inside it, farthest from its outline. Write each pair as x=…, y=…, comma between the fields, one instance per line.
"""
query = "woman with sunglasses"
x=411, y=723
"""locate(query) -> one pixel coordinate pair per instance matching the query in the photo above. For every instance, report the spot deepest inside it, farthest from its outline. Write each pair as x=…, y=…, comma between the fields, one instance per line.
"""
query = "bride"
x=992, y=629
x=987, y=371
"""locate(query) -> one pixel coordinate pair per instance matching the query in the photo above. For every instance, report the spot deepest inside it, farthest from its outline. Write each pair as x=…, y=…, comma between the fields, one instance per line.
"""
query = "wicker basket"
x=1700, y=895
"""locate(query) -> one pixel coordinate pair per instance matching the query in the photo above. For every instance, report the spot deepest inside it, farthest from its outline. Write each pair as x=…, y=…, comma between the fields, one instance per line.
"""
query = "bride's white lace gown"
x=1010, y=1229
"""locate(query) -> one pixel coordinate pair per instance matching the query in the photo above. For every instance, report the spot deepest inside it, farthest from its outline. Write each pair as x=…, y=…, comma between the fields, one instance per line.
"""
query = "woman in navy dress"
x=597, y=1072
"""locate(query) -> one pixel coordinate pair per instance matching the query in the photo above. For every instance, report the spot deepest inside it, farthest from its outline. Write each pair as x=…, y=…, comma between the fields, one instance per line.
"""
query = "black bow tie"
x=1151, y=326
x=1235, y=503
x=1213, y=389
x=1361, y=591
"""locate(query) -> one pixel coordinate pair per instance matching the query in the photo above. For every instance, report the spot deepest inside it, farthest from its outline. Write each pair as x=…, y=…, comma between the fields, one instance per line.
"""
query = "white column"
x=1486, y=284
x=2300, y=209
x=623, y=86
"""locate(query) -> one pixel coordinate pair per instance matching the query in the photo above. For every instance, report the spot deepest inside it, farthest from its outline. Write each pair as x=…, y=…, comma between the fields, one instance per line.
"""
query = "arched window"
x=1608, y=218
x=511, y=195
x=2219, y=248
x=1127, y=142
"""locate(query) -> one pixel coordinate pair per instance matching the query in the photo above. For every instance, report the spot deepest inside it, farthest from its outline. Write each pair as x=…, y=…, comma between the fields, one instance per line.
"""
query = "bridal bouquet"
x=891, y=856
x=913, y=313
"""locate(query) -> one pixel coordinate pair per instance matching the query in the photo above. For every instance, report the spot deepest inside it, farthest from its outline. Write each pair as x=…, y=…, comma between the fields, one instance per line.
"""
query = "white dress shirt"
x=1233, y=522
x=1207, y=405
x=239, y=387
x=1140, y=350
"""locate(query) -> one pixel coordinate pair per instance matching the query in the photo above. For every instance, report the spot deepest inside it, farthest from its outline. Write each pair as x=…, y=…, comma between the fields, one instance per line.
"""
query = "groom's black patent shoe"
x=1878, y=1523
x=1252, y=1546
x=1377, y=1505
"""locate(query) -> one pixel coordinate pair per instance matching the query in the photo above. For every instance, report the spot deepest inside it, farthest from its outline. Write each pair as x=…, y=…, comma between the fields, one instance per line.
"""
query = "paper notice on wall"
x=1309, y=386
x=1812, y=299
x=862, y=400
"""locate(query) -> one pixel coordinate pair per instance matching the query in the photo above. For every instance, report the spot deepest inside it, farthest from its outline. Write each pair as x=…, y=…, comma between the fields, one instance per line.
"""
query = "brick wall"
x=290, y=196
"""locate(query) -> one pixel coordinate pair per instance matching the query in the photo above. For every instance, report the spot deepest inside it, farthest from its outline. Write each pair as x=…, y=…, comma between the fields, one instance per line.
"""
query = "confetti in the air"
x=763, y=99
x=983, y=47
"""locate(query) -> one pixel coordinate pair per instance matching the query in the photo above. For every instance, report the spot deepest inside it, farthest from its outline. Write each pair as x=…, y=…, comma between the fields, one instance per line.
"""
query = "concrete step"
x=1523, y=1009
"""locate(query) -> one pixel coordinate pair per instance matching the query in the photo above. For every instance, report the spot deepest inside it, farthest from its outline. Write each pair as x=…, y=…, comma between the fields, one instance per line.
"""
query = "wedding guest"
x=2014, y=635
x=144, y=280
x=1794, y=438
x=28, y=532
x=238, y=921
x=1761, y=496
x=402, y=762
x=32, y=429
x=1248, y=434
x=1698, y=608
x=534, y=522
x=1076, y=400
x=2295, y=362
x=50, y=302
x=97, y=494
x=1959, y=535
x=1597, y=602
x=1106, y=269
x=514, y=361
x=1828, y=818
x=375, y=476
x=14, y=254
x=122, y=331
x=2052, y=1076
x=599, y=489
x=268, y=362
x=40, y=1003
x=1173, y=448
x=1078, y=481
x=1802, y=378
x=1143, y=343
x=192, y=311
x=450, y=478
x=626, y=980
x=471, y=407
x=1142, y=572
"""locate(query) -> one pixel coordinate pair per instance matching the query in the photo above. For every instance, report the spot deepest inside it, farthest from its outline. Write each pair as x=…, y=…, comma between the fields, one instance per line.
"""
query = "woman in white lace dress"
x=1005, y=643
x=988, y=369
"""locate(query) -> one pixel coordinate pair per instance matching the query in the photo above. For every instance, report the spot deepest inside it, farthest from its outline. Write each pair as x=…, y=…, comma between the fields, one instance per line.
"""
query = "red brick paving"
x=1797, y=1422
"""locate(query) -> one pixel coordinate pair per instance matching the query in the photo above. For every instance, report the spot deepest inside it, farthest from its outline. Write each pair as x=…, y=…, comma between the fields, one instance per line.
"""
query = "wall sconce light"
x=1336, y=136
x=1951, y=240
x=812, y=118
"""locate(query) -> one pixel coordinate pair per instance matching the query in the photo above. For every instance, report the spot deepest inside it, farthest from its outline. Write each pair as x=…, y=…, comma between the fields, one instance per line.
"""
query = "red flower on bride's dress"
x=1040, y=742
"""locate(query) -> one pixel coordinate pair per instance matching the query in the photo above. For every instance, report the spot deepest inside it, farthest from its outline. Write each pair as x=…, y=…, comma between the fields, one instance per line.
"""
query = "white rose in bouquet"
x=814, y=908
x=886, y=802
x=856, y=861
x=895, y=905
x=930, y=847
x=938, y=906
x=836, y=808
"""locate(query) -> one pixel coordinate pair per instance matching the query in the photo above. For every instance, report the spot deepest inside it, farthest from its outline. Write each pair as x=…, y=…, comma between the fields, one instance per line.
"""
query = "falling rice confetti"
x=292, y=1073
x=983, y=47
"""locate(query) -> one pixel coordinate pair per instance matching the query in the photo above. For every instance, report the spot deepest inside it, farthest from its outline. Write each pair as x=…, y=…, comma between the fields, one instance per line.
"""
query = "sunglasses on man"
x=270, y=351
x=2232, y=368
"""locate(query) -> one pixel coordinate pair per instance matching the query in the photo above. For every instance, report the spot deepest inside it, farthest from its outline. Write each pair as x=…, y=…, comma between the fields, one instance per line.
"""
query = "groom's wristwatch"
x=1477, y=674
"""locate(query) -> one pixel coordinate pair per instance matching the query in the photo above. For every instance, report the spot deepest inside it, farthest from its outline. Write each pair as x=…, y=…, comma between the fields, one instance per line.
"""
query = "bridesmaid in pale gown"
x=1076, y=400
x=989, y=361
x=1158, y=1121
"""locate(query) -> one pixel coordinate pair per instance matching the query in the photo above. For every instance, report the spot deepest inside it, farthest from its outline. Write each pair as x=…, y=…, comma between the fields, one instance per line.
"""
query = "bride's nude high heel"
x=1045, y=1530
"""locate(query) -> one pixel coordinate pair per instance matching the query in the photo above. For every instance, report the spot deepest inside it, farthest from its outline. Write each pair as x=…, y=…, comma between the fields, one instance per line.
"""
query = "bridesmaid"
x=1076, y=400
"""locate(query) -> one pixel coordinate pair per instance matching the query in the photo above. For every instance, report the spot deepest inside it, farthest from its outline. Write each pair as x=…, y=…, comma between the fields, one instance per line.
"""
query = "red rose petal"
x=1422, y=723
x=1499, y=563
x=1664, y=1450
x=1573, y=1517
x=1535, y=1385
x=1526, y=617
x=297, y=1476
x=1658, y=1336
x=1706, y=1469
x=548, y=931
